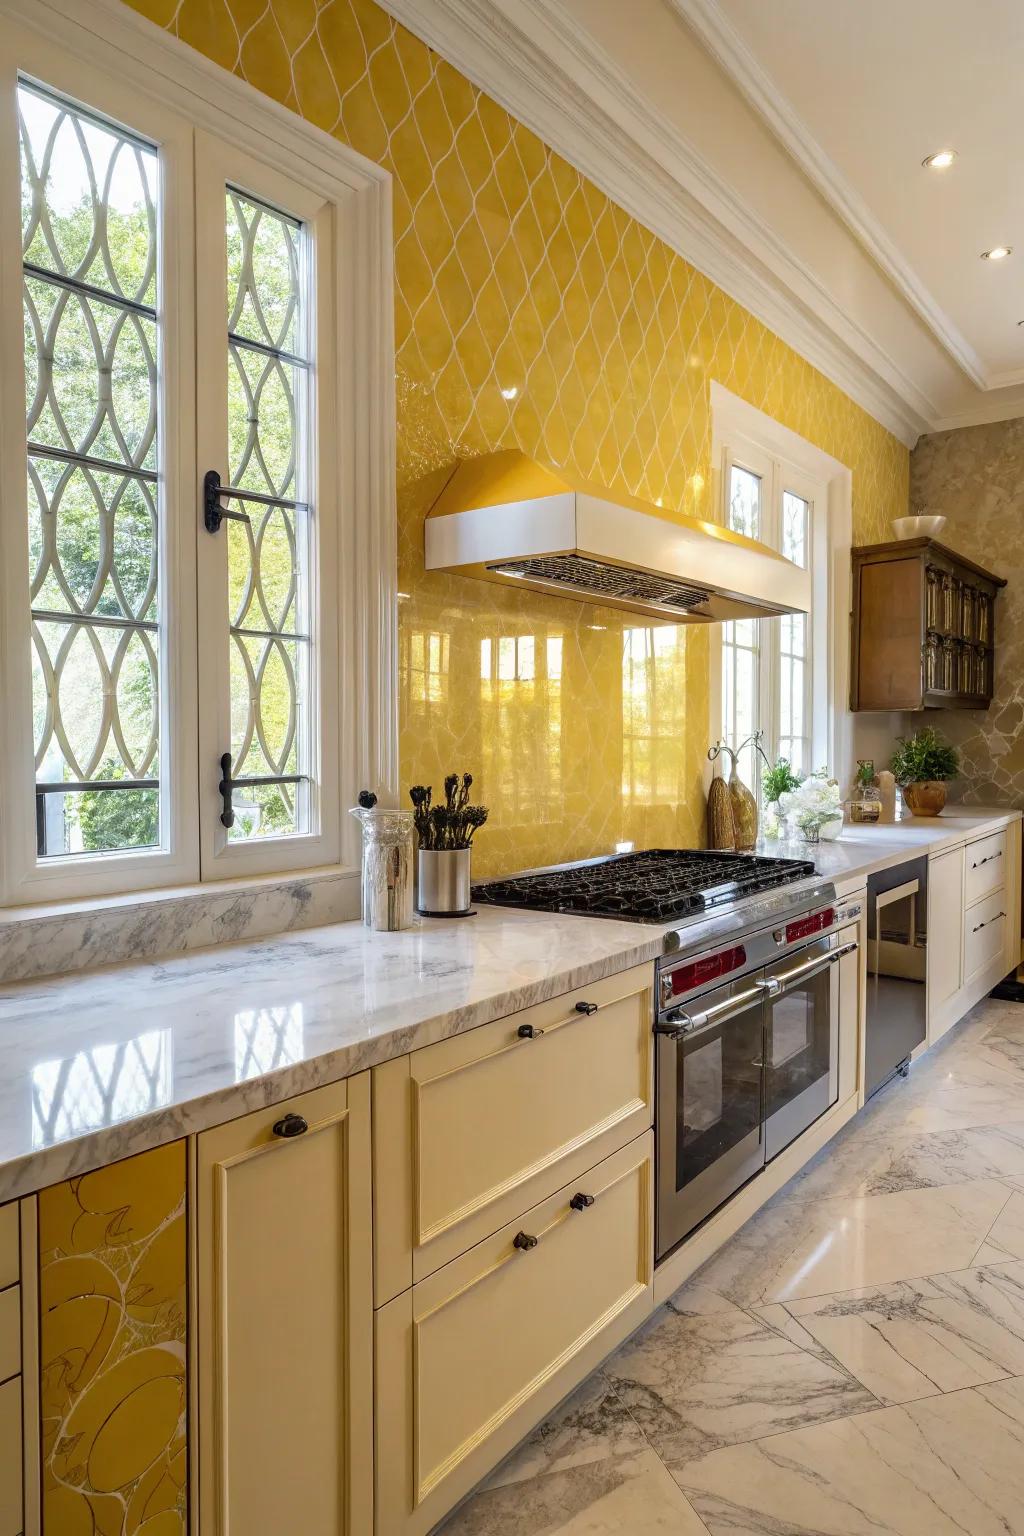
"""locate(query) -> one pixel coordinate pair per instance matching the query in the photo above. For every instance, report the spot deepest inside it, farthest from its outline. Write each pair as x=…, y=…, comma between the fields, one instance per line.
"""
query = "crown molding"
x=721, y=39
x=546, y=72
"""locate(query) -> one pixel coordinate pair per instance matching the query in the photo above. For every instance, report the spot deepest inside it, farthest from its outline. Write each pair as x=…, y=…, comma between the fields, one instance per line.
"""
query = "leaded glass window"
x=269, y=384
x=90, y=210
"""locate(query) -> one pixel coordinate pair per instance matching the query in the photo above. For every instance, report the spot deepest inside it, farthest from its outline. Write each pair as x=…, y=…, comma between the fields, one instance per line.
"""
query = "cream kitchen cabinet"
x=472, y=1131
x=945, y=940
x=473, y=1356
x=973, y=923
x=283, y=1336
x=19, y=1404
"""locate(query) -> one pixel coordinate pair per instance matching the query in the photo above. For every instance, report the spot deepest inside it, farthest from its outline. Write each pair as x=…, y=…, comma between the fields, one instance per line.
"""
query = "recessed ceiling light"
x=940, y=161
x=510, y=393
x=997, y=253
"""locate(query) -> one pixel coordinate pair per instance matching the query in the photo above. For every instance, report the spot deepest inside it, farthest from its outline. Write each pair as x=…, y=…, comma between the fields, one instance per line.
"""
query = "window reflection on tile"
x=100, y=1087
x=653, y=714
x=267, y=1038
x=425, y=659
x=521, y=724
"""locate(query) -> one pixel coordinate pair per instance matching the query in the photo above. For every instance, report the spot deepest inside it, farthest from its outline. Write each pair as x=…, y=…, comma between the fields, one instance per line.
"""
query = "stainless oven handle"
x=811, y=968
x=681, y=1026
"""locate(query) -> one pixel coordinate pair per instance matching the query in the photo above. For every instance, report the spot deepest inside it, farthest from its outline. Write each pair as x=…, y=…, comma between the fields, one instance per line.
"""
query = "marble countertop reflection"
x=100, y=1065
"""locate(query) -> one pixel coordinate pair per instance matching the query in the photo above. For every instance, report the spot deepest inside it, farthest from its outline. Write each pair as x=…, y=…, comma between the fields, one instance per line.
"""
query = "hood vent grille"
x=607, y=581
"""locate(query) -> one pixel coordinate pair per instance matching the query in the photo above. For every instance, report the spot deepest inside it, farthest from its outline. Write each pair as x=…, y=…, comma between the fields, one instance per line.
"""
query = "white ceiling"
x=876, y=85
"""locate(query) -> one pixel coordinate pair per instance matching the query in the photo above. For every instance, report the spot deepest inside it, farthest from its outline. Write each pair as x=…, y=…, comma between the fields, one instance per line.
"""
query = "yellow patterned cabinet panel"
x=471, y=1358
x=284, y=1316
x=469, y=1132
x=112, y=1301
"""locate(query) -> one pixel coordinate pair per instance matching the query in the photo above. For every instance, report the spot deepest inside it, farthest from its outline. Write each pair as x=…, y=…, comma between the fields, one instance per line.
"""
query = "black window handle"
x=581, y=1202
x=524, y=1241
x=587, y=1008
x=291, y=1125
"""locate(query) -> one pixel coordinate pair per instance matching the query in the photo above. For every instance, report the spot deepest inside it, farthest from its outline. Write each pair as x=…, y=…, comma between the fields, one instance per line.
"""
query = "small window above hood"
x=505, y=517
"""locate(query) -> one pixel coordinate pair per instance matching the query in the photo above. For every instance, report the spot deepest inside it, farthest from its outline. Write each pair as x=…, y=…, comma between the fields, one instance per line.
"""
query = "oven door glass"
x=802, y=1045
x=710, y=1110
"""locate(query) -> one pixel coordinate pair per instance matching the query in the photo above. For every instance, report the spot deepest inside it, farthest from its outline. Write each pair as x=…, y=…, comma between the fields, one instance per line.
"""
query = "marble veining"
x=98, y=1066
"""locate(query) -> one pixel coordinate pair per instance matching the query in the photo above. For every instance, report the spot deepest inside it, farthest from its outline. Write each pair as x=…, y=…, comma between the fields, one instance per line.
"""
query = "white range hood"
x=506, y=518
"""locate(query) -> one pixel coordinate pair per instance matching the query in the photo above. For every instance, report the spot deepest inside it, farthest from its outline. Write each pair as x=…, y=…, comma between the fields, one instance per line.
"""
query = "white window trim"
x=743, y=434
x=109, y=41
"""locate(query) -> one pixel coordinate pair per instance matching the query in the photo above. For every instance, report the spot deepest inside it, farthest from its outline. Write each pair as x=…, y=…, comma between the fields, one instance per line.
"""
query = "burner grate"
x=653, y=887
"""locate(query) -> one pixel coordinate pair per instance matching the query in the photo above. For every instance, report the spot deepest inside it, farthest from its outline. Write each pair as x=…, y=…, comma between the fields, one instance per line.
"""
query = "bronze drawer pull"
x=524, y=1241
x=527, y=1032
x=987, y=859
x=581, y=1202
x=291, y=1125
x=979, y=926
x=587, y=1008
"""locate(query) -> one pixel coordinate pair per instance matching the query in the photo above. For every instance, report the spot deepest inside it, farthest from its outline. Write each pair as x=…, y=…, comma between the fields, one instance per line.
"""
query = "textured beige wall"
x=975, y=476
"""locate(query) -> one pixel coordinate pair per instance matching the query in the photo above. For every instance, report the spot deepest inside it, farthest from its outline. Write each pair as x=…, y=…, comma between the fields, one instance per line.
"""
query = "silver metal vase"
x=442, y=883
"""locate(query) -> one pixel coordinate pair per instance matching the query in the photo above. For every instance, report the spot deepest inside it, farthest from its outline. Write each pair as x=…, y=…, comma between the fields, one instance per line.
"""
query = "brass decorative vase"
x=744, y=811
x=924, y=798
x=721, y=827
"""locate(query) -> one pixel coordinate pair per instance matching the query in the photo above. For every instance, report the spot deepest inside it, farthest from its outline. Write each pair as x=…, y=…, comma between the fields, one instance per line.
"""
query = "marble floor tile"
x=1006, y=1235
x=693, y=1383
x=619, y=1496
x=796, y=1249
x=920, y=1337
x=945, y=1466
x=781, y=1320
x=859, y=1163
x=958, y=1093
x=591, y=1425
x=696, y=1300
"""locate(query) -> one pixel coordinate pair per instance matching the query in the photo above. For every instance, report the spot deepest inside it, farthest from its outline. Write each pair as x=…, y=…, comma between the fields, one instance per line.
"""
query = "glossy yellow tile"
x=112, y=1349
x=532, y=312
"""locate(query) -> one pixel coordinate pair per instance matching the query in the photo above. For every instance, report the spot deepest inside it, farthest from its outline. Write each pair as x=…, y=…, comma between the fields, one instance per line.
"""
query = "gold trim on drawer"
x=10, y=1332
x=10, y=1268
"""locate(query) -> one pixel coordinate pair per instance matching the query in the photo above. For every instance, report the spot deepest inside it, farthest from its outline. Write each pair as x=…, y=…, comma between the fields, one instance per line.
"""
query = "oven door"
x=710, y=1105
x=801, y=1060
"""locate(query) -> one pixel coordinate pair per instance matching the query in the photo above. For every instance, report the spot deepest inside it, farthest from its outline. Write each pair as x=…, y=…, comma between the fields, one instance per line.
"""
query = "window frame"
x=744, y=435
x=217, y=166
x=117, y=63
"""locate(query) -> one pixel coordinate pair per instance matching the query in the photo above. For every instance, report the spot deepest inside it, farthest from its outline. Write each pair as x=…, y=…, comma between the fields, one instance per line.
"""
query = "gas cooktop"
x=655, y=887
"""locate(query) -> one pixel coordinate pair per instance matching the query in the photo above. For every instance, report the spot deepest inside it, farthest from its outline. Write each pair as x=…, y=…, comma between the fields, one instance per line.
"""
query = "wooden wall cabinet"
x=923, y=628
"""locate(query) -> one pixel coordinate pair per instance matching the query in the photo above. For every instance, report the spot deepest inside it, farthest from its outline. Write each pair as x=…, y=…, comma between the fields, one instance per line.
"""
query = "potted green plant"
x=922, y=765
x=778, y=779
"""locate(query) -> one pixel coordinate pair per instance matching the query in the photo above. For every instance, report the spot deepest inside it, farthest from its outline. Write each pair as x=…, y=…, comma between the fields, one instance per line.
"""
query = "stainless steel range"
x=748, y=1006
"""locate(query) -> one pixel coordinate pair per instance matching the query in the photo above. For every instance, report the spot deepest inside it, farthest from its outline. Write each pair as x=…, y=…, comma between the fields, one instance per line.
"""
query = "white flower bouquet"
x=814, y=809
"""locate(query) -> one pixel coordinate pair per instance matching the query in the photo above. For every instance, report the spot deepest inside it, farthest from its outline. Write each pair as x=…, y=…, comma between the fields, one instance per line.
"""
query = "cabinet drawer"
x=984, y=934
x=9, y=1261
x=985, y=867
x=10, y=1332
x=492, y=1121
x=469, y=1359
x=11, y=1471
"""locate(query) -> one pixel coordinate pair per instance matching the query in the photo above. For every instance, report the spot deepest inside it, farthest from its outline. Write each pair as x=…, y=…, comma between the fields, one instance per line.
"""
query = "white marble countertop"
x=102, y=1064
x=862, y=850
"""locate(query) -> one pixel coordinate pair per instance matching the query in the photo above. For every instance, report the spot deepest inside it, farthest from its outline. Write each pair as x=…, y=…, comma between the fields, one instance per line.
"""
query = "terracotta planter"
x=925, y=798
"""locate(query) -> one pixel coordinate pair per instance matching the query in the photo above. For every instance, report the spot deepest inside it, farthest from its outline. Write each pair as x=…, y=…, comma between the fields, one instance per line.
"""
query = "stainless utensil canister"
x=443, y=882
x=387, y=867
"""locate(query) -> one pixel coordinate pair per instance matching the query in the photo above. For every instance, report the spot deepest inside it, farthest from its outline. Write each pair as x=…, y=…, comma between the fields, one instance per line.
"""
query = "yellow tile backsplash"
x=533, y=313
